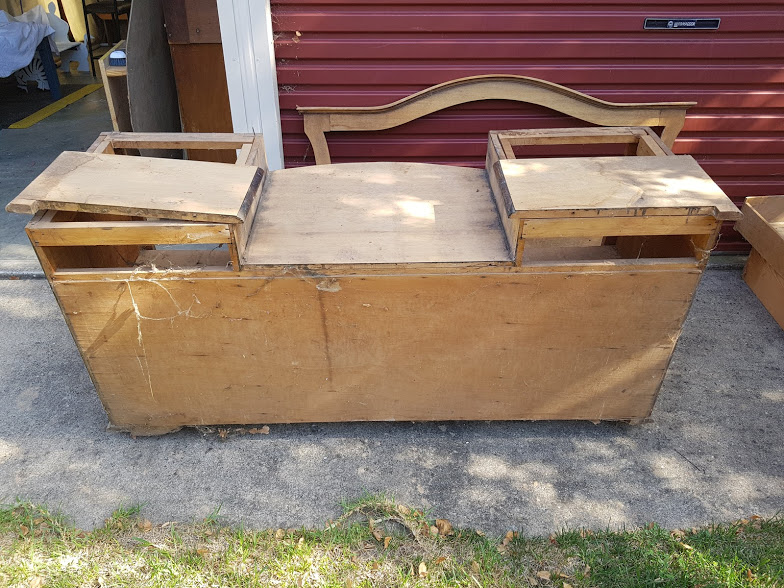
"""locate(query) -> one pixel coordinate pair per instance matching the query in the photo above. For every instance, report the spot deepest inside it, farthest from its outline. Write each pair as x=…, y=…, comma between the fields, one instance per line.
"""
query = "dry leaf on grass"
x=387, y=541
x=378, y=535
x=434, y=531
x=440, y=560
x=144, y=525
x=532, y=581
x=201, y=551
x=280, y=534
x=475, y=567
x=36, y=582
x=567, y=585
x=422, y=570
x=544, y=575
x=444, y=527
x=24, y=530
x=677, y=534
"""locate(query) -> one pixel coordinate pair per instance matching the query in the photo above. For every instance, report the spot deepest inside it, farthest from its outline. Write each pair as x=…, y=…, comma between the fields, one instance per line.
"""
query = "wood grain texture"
x=612, y=186
x=182, y=140
x=511, y=225
x=203, y=94
x=482, y=346
x=159, y=188
x=319, y=120
x=115, y=83
x=767, y=284
x=360, y=213
x=192, y=21
x=618, y=226
x=762, y=225
x=127, y=233
x=639, y=140
x=240, y=232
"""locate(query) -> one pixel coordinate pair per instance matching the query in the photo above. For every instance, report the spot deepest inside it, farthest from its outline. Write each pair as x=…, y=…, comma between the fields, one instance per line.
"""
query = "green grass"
x=376, y=543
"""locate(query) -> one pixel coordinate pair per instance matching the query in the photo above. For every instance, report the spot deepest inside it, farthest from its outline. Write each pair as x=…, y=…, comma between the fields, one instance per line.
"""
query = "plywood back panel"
x=298, y=349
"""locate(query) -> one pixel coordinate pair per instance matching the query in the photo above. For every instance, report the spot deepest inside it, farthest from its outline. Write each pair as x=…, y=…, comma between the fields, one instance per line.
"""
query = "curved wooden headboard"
x=323, y=119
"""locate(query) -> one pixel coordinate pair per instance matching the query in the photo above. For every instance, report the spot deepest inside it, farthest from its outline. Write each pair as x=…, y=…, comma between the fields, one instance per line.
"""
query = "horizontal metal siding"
x=369, y=53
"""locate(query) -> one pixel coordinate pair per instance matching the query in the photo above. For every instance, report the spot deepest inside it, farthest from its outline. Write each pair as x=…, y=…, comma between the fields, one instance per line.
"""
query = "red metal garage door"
x=345, y=53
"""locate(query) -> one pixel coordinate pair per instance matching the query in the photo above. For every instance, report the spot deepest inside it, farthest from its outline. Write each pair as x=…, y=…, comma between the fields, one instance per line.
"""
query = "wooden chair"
x=322, y=119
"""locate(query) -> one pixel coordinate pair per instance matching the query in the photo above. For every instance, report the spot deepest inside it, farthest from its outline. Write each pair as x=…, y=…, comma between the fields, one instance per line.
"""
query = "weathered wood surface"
x=166, y=352
x=374, y=291
x=617, y=226
x=182, y=140
x=767, y=284
x=762, y=225
x=160, y=188
x=46, y=233
x=115, y=84
x=641, y=140
x=610, y=186
x=376, y=213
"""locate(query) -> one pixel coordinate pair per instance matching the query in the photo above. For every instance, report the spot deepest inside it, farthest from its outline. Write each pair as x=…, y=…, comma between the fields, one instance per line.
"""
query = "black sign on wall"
x=683, y=24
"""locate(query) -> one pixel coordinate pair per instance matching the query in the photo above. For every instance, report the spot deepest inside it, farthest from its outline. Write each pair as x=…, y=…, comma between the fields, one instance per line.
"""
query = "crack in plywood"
x=325, y=332
x=145, y=368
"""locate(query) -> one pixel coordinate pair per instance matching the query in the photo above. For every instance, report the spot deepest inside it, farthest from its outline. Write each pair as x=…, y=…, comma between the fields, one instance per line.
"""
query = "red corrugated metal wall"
x=351, y=53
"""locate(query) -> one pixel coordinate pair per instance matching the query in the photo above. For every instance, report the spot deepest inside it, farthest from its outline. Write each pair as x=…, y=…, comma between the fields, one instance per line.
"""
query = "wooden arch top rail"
x=322, y=119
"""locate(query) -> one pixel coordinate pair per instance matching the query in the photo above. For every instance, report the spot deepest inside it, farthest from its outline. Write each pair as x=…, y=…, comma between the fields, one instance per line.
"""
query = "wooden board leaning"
x=763, y=226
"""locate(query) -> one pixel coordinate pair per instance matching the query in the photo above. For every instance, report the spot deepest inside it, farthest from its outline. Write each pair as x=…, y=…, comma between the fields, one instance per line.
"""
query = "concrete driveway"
x=712, y=450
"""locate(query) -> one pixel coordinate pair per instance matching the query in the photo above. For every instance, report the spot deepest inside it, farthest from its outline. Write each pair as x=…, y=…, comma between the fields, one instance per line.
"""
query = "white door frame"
x=249, y=55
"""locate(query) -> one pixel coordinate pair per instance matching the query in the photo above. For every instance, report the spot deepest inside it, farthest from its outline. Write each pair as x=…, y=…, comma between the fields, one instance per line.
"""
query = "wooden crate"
x=534, y=289
x=763, y=226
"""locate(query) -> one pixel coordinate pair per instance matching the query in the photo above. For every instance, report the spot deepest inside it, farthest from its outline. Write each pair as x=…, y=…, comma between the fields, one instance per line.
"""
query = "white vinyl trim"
x=249, y=55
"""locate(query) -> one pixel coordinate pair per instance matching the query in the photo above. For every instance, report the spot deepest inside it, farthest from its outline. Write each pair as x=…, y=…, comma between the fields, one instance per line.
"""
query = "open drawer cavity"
x=70, y=240
x=658, y=238
x=99, y=210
